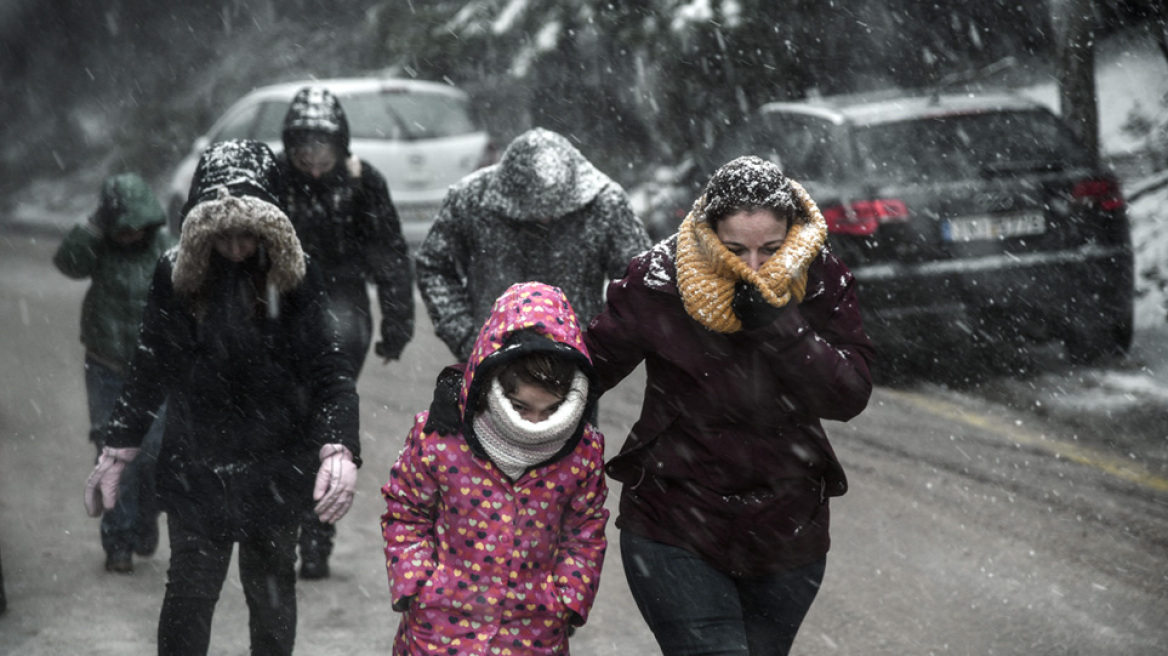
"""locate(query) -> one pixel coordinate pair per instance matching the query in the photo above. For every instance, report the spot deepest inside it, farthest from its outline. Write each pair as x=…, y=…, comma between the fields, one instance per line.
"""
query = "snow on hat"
x=235, y=188
x=314, y=109
x=750, y=183
x=542, y=176
x=242, y=167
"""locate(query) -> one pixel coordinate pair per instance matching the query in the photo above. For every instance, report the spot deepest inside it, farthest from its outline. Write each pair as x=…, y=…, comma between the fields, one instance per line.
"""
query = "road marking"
x=1118, y=467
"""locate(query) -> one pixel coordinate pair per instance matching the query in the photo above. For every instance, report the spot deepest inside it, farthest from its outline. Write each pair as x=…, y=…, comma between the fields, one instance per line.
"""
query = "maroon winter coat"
x=729, y=458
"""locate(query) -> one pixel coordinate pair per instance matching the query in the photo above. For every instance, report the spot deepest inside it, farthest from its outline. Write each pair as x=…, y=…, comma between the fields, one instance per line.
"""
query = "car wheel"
x=1093, y=342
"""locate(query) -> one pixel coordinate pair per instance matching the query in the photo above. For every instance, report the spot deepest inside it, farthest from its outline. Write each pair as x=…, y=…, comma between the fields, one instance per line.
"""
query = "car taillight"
x=862, y=217
x=1103, y=193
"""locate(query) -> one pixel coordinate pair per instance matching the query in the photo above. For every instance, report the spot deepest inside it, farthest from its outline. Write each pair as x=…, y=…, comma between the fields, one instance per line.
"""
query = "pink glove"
x=101, y=489
x=336, y=482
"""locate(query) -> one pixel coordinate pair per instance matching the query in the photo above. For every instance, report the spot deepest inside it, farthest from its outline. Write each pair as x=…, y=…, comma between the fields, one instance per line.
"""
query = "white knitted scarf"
x=515, y=444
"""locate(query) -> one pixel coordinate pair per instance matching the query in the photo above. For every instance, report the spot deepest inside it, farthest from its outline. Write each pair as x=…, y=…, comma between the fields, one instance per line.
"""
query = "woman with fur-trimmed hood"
x=750, y=332
x=260, y=403
x=494, y=526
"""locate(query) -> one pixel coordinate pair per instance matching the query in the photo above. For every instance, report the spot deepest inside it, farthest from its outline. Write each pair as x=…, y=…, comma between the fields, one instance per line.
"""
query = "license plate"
x=988, y=227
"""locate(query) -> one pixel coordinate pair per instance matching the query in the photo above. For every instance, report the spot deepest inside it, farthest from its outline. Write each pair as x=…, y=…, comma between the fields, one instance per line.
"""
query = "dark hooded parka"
x=729, y=458
x=244, y=357
x=543, y=213
x=348, y=224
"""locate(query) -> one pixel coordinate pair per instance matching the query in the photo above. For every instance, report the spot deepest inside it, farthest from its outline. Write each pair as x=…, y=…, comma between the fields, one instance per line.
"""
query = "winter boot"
x=119, y=561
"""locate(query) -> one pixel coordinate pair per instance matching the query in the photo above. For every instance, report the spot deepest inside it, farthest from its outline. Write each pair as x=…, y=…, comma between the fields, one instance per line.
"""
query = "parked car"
x=423, y=136
x=976, y=218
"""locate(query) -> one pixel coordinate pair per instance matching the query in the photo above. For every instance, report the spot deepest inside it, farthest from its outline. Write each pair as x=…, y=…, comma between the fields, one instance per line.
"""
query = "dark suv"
x=976, y=218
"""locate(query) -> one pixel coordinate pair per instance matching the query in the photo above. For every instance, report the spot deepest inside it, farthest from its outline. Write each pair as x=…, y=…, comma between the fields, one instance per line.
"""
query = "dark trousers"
x=198, y=567
x=316, y=537
x=694, y=609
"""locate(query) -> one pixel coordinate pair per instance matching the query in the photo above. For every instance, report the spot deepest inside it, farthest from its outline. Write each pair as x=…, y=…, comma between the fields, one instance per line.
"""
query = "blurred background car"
x=423, y=136
x=976, y=219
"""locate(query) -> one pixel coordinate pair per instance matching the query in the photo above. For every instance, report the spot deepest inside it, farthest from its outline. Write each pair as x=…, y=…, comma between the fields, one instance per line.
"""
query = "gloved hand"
x=101, y=488
x=98, y=222
x=336, y=482
x=389, y=350
x=445, y=418
x=752, y=309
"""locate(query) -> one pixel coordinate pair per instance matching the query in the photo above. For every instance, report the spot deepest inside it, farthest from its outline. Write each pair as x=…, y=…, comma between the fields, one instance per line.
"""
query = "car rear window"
x=968, y=145
x=803, y=146
x=407, y=115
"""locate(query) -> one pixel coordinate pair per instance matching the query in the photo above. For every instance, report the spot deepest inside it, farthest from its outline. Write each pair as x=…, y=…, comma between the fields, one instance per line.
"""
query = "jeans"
x=198, y=568
x=693, y=608
x=133, y=523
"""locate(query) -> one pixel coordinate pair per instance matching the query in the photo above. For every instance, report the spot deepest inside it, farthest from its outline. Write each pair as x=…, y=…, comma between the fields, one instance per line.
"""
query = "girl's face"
x=236, y=245
x=534, y=403
x=753, y=235
x=129, y=236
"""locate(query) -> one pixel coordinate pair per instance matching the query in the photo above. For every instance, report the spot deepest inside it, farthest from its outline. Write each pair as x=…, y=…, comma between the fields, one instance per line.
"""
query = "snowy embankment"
x=1132, y=75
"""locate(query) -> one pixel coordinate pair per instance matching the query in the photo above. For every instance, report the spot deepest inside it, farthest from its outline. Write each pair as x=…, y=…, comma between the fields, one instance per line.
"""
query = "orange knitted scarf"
x=707, y=270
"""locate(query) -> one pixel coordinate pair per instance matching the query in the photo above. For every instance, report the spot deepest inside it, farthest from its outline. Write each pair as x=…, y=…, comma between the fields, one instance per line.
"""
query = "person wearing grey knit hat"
x=545, y=213
x=261, y=415
x=750, y=332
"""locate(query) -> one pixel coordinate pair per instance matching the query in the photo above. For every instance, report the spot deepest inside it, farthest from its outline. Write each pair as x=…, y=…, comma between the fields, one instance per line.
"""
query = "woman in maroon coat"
x=750, y=332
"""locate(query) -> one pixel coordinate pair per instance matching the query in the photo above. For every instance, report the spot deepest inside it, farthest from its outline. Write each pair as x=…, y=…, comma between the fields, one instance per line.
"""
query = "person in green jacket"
x=117, y=249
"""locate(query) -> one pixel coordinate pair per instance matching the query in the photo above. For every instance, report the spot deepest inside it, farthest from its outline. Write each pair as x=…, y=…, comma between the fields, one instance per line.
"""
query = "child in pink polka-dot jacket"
x=494, y=531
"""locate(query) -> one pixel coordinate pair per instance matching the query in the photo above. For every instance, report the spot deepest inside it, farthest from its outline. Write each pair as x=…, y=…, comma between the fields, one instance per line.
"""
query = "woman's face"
x=314, y=159
x=753, y=235
x=534, y=403
x=236, y=245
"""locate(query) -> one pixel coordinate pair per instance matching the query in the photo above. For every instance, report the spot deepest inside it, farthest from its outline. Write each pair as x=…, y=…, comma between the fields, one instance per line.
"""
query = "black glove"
x=445, y=418
x=390, y=350
x=752, y=309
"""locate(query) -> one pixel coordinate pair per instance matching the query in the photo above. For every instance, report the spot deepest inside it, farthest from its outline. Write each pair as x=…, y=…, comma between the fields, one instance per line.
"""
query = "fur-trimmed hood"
x=235, y=187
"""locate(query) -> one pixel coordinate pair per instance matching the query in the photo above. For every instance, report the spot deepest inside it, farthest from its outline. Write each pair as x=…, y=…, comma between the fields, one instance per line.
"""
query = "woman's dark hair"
x=547, y=370
x=748, y=184
x=254, y=294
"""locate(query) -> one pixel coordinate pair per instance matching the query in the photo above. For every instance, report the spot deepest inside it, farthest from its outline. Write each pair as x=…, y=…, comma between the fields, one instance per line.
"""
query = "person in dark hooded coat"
x=543, y=213
x=117, y=250
x=749, y=329
x=261, y=405
x=341, y=208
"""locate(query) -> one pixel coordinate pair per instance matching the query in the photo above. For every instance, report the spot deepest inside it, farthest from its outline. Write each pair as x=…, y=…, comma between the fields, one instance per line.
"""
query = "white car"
x=421, y=135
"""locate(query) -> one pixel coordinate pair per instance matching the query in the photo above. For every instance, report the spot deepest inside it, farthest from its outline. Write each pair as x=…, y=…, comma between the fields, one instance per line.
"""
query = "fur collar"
x=707, y=271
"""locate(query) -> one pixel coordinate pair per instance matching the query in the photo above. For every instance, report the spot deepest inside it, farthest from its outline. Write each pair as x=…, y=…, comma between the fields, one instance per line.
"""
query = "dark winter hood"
x=242, y=167
x=235, y=187
x=542, y=176
x=316, y=109
x=128, y=203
